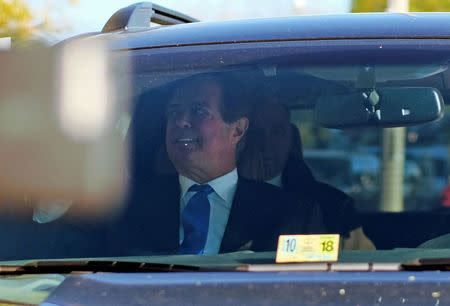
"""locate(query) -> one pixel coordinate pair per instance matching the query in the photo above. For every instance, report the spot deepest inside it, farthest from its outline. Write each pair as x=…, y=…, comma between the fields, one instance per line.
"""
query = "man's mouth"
x=186, y=140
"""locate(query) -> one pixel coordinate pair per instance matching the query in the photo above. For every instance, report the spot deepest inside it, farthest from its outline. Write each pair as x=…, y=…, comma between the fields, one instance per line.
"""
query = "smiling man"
x=202, y=146
x=206, y=208
x=200, y=142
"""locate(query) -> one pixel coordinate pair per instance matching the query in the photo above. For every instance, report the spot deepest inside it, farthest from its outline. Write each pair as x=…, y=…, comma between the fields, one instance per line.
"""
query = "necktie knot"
x=206, y=189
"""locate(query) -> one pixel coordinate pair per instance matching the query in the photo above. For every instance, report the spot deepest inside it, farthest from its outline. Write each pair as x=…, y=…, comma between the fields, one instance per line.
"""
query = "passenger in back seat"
x=273, y=154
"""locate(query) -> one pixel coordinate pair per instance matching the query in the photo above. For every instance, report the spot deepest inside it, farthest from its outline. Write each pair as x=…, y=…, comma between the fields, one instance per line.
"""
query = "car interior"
x=308, y=92
x=341, y=112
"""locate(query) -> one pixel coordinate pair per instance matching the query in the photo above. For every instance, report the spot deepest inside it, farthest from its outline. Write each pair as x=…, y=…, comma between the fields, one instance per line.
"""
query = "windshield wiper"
x=92, y=266
x=427, y=264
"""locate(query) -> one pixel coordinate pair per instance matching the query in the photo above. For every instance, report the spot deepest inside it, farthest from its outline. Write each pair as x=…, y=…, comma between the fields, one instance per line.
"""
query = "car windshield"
x=232, y=145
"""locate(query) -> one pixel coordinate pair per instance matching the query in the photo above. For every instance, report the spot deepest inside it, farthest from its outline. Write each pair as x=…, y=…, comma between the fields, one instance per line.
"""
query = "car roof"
x=313, y=27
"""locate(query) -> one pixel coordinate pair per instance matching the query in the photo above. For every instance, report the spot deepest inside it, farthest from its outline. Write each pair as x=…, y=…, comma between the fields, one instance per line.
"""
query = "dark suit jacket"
x=65, y=237
x=338, y=209
x=150, y=224
x=259, y=214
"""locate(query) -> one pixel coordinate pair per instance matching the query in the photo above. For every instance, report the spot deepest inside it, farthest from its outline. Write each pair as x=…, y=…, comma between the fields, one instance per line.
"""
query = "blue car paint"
x=236, y=288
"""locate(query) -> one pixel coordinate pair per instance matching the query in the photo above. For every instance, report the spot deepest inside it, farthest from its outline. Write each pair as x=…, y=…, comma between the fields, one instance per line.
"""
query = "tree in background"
x=23, y=25
x=429, y=5
x=363, y=6
x=15, y=20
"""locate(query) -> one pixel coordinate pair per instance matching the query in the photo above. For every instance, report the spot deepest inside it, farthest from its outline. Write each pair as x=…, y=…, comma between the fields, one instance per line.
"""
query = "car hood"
x=232, y=288
x=167, y=288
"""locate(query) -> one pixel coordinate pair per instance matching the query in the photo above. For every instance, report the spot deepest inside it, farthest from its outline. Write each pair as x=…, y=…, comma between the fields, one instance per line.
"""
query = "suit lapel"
x=252, y=221
x=235, y=235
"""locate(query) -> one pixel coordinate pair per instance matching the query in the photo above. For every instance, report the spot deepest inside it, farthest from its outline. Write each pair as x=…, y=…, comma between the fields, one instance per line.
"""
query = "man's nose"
x=183, y=120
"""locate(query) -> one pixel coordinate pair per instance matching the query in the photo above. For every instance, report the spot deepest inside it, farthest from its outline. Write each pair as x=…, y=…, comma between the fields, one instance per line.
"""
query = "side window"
x=352, y=160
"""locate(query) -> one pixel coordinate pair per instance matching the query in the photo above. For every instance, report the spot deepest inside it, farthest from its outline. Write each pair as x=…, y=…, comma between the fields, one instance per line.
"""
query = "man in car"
x=206, y=207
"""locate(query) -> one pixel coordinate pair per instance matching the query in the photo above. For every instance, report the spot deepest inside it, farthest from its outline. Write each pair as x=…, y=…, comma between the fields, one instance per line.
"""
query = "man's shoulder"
x=259, y=188
x=338, y=208
x=334, y=200
x=295, y=215
x=326, y=190
x=266, y=196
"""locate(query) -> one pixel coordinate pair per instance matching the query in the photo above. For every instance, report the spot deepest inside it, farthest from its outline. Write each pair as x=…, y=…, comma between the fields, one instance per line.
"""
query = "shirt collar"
x=276, y=181
x=224, y=186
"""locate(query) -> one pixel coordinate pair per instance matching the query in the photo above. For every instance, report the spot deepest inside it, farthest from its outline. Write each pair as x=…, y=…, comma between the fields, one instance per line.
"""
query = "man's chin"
x=188, y=168
x=184, y=158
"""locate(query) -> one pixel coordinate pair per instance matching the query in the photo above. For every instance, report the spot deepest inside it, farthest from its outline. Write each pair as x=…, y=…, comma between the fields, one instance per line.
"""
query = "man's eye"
x=201, y=111
x=171, y=113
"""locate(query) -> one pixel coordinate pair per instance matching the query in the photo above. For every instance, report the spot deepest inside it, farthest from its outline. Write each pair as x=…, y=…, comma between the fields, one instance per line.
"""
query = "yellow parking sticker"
x=308, y=248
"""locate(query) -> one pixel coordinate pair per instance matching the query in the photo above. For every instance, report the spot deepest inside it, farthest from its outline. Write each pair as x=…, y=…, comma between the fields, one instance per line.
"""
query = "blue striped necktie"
x=195, y=218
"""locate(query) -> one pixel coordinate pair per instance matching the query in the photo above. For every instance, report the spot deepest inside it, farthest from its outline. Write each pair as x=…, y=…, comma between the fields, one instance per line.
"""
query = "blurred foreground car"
x=359, y=73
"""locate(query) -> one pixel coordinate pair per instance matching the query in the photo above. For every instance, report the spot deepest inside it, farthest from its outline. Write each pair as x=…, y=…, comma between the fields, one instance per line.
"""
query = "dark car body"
x=319, y=40
x=380, y=37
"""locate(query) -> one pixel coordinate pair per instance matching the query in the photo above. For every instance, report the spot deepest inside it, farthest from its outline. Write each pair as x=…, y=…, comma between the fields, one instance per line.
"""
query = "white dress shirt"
x=220, y=205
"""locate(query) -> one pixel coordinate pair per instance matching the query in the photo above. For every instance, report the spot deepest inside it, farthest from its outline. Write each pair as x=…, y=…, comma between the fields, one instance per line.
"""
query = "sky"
x=91, y=15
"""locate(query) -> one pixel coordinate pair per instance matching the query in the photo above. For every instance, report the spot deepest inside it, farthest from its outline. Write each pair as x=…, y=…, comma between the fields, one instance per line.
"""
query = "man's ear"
x=240, y=127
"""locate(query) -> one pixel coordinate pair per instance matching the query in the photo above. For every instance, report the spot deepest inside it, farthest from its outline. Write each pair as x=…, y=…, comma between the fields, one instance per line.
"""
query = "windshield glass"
x=232, y=145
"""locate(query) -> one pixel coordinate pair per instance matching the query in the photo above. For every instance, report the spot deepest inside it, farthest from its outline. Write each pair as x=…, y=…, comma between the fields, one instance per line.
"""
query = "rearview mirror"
x=383, y=107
